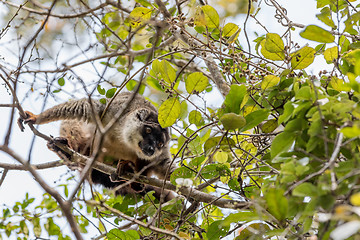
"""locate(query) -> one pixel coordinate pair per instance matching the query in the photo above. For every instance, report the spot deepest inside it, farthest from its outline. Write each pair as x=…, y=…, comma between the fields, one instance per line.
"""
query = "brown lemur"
x=136, y=143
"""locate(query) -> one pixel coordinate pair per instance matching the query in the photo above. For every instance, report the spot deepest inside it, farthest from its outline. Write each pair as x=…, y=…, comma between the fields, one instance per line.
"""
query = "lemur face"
x=154, y=137
x=145, y=135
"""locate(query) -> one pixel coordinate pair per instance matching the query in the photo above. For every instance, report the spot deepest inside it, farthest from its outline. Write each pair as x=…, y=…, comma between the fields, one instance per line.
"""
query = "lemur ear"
x=142, y=114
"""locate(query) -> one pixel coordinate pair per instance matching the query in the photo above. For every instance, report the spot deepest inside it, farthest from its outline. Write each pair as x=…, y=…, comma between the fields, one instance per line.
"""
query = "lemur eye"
x=148, y=130
x=160, y=144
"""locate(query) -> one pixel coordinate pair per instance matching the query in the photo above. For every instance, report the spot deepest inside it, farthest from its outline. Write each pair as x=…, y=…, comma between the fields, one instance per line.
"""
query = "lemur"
x=135, y=141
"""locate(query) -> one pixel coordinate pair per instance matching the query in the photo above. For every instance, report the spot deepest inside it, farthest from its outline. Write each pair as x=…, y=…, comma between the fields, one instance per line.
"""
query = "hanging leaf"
x=232, y=121
x=139, y=15
x=331, y=54
x=61, y=81
x=303, y=58
x=317, y=34
x=231, y=32
x=196, y=118
x=277, y=203
x=278, y=56
x=269, y=81
x=255, y=118
x=274, y=43
x=169, y=111
x=212, y=19
x=325, y=17
x=196, y=82
x=234, y=98
x=305, y=189
x=282, y=143
x=165, y=70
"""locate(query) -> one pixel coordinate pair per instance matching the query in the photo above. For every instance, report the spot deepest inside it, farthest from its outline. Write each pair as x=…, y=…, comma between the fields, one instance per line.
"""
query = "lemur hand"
x=29, y=118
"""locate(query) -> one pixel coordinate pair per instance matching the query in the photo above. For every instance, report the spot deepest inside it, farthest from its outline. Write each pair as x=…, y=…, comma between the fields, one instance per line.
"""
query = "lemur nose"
x=149, y=150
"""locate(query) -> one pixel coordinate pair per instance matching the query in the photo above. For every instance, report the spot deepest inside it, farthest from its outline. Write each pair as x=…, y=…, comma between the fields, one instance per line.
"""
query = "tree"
x=274, y=156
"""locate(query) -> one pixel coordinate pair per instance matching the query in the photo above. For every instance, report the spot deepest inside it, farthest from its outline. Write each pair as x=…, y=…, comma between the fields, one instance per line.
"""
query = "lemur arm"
x=76, y=109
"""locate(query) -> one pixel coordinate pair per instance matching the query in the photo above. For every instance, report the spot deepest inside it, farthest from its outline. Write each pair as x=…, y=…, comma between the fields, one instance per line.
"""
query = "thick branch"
x=185, y=191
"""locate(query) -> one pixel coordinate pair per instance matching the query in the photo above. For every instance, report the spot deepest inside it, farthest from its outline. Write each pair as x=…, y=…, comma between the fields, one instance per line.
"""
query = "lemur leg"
x=126, y=167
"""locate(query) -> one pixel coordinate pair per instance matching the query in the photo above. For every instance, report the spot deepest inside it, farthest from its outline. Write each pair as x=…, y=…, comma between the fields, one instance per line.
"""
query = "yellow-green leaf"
x=166, y=71
x=221, y=157
x=303, y=58
x=139, y=15
x=278, y=56
x=169, y=111
x=318, y=34
x=196, y=82
x=196, y=118
x=211, y=16
x=331, y=54
x=232, y=121
x=269, y=81
x=339, y=85
x=352, y=57
x=207, y=16
x=231, y=32
x=274, y=43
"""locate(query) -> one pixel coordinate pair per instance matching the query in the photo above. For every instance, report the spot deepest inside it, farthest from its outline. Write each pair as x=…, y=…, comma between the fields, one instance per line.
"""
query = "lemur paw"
x=52, y=145
x=122, y=167
x=29, y=118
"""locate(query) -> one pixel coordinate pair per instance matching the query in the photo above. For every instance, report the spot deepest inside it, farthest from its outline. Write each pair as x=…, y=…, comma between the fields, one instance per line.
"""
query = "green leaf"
x=132, y=234
x=304, y=93
x=255, y=118
x=234, y=98
x=351, y=132
x=232, y=121
x=269, y=81
x=269, y=126
x=110, y=93
x=274, y=43
x=331, y=54
x=282, y=143
x=288, y=111
x=325, y=17
x=303, y=58
x=216, y=230
x=212, y=19
x=318, y=34
x=196, y=82
x=61, y=81
x=116, y=234
x=243, y=216
x=305, y=190
x=196, y=118
x=139, y=16
x=278, y=56
x=277, y=203
x=101, y=90
x=103, y=100
x=37, y=227
x=169, y=111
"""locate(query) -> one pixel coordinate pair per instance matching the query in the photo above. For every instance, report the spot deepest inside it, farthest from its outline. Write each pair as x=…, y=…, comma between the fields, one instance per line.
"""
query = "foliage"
x=282, y=136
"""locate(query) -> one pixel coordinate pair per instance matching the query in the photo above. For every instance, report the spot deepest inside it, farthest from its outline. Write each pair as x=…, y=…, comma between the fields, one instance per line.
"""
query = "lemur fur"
x=135, y=141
